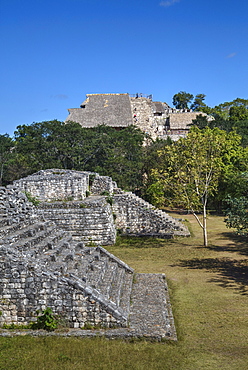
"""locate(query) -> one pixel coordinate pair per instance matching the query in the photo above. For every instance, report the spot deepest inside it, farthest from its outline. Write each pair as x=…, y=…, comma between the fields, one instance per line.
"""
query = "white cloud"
x=231, y=55
x=168, y=3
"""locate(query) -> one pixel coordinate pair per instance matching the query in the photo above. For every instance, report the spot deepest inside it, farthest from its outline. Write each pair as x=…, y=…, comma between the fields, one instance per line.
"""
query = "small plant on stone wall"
x=14, y=326
x=68, y=199
x=47, y=320
x=32, y=199
x=91, y=179
x=109, y=200
x=91, y=243
x=105, y=192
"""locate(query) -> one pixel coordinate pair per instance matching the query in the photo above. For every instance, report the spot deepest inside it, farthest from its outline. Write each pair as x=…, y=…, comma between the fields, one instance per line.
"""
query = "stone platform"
x=150, y=315
x=42, y=266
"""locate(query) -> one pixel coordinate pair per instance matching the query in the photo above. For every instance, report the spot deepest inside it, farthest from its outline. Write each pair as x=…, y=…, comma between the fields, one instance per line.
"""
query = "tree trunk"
x=204, y=223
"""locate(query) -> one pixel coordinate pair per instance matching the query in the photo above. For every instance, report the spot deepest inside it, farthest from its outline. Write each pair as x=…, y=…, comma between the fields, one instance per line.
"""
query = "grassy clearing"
x=209, y=294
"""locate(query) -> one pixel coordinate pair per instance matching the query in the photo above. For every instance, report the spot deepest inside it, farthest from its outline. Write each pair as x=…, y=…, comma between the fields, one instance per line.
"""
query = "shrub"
x=32, y=199
x=47, y=321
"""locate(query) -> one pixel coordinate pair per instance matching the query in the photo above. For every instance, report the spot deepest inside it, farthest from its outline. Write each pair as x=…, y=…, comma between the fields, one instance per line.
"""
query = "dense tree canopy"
x=6, y=149
x=237, y=215
x=102, y=149
x=227, y=116
x=198, y=103
x=182, y=100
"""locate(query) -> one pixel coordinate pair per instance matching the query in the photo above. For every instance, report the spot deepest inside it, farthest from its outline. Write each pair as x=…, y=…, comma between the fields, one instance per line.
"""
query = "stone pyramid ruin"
x=42, y=265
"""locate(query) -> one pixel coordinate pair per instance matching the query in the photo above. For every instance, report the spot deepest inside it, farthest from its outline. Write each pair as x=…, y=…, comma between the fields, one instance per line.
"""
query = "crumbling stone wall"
x=158, y=120
x=41, y=266
x=56, y=184
x=134, y=216
x=102, y=109
x=94, y=219
x=90, y=221
x=26, y=288
x=102, y=184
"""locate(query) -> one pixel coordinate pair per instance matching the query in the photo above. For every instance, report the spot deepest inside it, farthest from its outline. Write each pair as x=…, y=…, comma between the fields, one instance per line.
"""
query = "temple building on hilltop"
x=155, y=118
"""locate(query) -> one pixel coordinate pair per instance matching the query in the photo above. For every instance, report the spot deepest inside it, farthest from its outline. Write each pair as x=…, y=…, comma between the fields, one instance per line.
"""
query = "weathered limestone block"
x=134, y=216
x=90, y=221
x=40, y=267
x=56, y=184
x=103, y=184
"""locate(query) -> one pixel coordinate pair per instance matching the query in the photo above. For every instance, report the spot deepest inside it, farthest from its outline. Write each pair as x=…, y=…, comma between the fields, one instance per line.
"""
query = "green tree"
x=227, y=116
x=237, y=215
x=102, y=149
x=152, y=190
x=120, y=156
x=6, y=152
x=238, y=113
x=51, y=144
x=233, y=179
x=198, y=103
x=242, y=129
x=192, y=168
x=182, y=99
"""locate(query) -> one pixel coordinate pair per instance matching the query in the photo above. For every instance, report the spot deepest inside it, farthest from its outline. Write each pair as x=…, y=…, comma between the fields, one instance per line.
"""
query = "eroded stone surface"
x=96, y=218
x=42, y=266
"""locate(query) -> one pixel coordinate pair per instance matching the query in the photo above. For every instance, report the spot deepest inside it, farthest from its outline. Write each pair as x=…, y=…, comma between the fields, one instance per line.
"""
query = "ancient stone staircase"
x=95, y=219
x=135, y=216
x=96, y=271
x=48, y=251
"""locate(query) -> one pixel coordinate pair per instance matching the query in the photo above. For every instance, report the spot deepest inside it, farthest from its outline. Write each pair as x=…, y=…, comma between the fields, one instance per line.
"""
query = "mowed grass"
x=209, y=296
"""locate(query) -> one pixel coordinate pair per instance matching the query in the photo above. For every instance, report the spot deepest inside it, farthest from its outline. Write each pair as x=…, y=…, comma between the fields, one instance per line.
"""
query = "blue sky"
x=54, y=52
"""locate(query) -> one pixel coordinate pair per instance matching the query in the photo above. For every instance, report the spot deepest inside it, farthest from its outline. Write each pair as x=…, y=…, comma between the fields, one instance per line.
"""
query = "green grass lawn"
x=209, y=296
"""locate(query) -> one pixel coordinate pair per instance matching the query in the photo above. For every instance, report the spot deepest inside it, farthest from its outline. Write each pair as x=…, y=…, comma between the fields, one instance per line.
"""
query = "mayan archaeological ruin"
x=53, y=255
x=155, y=118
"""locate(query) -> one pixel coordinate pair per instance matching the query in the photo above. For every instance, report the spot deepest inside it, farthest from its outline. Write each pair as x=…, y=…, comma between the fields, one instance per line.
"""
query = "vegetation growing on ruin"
x=32, y=199
x=46, y=320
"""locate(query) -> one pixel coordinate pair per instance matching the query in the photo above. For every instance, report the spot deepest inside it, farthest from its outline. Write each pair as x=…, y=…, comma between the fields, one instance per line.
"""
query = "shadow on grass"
x=231, y=273
x=240, y=244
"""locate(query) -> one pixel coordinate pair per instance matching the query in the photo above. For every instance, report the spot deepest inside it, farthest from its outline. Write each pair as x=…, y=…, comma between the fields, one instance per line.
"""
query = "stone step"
x=5, y=221
x=14, y=226
x=150, y=309
x=22, y=230
x=33, y=237
x=126, y=290
x=116, y=285
x=104, y=285
x=58, y=242
x=96, y=269
x=91, y=266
